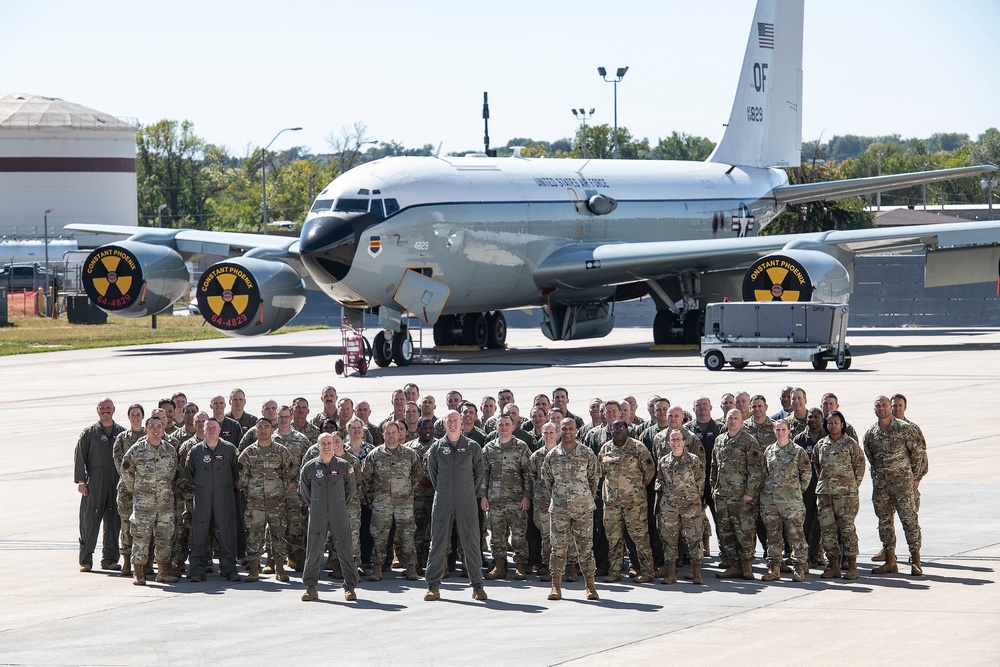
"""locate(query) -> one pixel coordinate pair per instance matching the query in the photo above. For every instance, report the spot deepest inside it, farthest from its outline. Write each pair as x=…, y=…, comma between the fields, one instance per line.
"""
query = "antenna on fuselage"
x=486, y=126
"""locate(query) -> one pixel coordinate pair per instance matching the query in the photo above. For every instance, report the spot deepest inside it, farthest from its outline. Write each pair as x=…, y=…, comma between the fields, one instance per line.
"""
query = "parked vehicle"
x=26, y=276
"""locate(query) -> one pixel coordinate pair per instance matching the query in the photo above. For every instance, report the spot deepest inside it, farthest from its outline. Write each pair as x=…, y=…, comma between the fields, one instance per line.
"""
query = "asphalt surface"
x=52, y=614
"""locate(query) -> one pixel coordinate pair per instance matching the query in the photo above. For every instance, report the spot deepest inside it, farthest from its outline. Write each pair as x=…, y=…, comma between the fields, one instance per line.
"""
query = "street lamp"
x=48, y=289
x=619, y=75
x=263, y=170
x=582, y=114
x=159, y=215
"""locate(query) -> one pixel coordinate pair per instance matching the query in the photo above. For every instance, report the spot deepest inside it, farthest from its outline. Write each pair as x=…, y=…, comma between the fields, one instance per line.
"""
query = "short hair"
x=177, y=394
x=329, y=422
x=423, y=421
x=266, y=419
x=234, y=392
x=213, y=419
x=613, y=402
x=562, y=389
x=136, y=405
x=899, y=397
x=153, y=418
x=298, y=399
x=461, y=406
x=758, y=397
x=838, y=415
x=166, y=401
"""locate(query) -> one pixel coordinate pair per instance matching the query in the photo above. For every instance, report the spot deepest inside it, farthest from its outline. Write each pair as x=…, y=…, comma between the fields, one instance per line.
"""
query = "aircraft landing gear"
x=482, y=330
x=669, y=328
x=396, y=347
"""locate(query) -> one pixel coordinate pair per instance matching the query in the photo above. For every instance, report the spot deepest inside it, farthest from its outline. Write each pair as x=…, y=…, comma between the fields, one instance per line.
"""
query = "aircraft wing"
x=581, y=266
x=807, y=192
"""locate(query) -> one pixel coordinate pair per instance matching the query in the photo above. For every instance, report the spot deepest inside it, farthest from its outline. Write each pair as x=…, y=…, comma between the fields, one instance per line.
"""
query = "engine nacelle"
x=250, y=297
x=797, y=275
x=132, y=279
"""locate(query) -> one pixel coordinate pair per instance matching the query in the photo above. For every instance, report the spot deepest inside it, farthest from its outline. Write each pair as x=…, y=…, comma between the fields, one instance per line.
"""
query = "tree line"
x=206, y=186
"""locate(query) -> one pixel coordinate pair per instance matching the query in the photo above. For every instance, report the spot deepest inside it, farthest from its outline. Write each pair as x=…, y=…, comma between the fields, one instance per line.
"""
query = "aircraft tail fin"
x=765, y=125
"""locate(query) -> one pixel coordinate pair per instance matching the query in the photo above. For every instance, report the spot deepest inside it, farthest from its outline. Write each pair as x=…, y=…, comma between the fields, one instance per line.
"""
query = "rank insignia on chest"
x=335, y=472
x=319, y=473
x=461, y=450
x=220, y=457
x=446, y=450
x=207, y=459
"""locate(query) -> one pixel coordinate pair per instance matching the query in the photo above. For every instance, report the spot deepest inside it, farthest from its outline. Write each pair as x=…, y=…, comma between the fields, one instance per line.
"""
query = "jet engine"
x=249, y=297
x=795, y=274
x=131, y=279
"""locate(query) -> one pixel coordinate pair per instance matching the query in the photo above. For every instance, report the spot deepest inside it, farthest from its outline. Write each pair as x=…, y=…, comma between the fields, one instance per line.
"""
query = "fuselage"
x=481, y=225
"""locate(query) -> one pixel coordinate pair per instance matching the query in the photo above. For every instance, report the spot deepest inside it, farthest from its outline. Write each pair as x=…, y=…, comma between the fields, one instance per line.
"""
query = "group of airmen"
x=420, y=493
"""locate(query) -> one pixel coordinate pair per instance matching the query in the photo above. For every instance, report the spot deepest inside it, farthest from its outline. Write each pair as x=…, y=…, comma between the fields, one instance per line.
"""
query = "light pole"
x=48, y=288
x=159, y=215
x=619, y=75
x=263, y=171
x=583, y=115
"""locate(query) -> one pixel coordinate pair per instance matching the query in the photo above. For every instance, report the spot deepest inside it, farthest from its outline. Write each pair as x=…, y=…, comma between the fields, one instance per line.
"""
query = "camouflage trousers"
x=354, y=512
x=837, y=514
x=889, y=499
x=574, y=531
x=384, y=514
x=295, y=534
x=125, y=511
x=674, y=523
x=504, y=519
x=541, y=518
x=736, y=524
x=182, y=528
x=619, y=518
x=422, y=520
x=258, y=520
x=790, y=518
x=154, y=526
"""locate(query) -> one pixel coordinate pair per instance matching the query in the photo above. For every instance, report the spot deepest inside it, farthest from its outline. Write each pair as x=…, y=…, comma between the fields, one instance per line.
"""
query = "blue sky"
x=415, y=72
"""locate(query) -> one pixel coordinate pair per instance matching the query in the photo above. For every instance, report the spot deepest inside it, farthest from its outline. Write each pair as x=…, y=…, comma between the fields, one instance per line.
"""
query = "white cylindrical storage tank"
x=66, y=157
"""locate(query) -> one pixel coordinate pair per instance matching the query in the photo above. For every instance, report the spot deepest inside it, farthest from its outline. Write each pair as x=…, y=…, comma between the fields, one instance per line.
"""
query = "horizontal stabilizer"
x=807, y=192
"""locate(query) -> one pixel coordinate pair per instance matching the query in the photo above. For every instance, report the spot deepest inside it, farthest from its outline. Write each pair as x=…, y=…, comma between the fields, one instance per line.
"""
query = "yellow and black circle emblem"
x=777, y=278
x=112, y=277
x=228, y=296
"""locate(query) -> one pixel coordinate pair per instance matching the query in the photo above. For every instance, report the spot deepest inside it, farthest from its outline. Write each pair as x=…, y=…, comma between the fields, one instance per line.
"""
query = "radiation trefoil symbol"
x=784, y=286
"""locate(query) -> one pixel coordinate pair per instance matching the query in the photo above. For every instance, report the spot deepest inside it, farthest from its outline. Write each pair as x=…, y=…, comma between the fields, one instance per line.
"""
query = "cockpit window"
x=391, y=206
x=377, y=208
x=322, y=205
x=346, y=205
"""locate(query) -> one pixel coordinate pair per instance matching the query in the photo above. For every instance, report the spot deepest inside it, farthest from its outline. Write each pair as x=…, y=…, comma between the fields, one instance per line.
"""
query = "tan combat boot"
x=411, y=573
x=799, y=575
x=254, y=567
x=376, y=574
x=433, y=593
x=163, y=575
x=350, y=595
x=127, y=565
x=499, y=570
x=572, y=574
x=670, y=576
x=310, y=594
x=696, y=572
x=556, y=592
x=746, y=569
x=852, y=568
x=773, y=573
x=279, y=571
x=890, y=564
x=879, y=557
x=733, y=569
x=140, y=576
x=591, y=589
x=479, y=593
x=915, y=568
x=519, y=572
x=832, y=567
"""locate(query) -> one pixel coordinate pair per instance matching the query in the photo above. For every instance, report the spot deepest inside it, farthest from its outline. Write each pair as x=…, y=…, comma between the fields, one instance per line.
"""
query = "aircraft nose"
x=331, y=242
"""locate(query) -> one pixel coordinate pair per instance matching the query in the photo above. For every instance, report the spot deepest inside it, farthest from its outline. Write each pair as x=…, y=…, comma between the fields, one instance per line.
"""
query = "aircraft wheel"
x=694, y=324
x=819, y=363
x=475, y=330
x=382, y=350
x=402, y=348
x=443, y=330
x=662, y=325
x=496, y=335
x=338, y=366
x=739, y=365
x=714, y=361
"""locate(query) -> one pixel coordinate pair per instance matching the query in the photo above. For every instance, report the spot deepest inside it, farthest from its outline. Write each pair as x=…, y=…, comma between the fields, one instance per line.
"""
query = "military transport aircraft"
x=454, y=241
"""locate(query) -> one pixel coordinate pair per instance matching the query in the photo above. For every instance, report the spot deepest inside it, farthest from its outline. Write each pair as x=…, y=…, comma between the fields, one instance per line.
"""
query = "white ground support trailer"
x=775, y=331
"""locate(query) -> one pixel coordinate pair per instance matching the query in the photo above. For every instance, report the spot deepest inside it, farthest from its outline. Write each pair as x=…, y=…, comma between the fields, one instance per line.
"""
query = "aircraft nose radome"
x=322, y=233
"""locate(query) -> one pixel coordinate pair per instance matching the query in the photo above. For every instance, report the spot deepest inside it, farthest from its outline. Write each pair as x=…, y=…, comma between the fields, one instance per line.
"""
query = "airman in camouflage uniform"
x=737, y=474
x=423, y=494
x=389, y=475
x=897, y=454
x=571, y=472
x=300, y=422
x=840, y=465
x=268, y=473
x=681, y=513
x=123, y=443
x=296, y=443
x=150, y=470
x=542, y=498
x=787, y=476
x=627, y=468
x=506, y=495
x=268, y=409
x=800, y=410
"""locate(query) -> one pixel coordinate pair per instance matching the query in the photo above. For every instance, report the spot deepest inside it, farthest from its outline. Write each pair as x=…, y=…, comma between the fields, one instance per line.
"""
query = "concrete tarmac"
x=52, y=614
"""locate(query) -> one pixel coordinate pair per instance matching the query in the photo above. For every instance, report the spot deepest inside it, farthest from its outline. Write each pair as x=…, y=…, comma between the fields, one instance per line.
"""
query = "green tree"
x=683, y=147
x=600, y=141
x=821, y=215
x=169, y=159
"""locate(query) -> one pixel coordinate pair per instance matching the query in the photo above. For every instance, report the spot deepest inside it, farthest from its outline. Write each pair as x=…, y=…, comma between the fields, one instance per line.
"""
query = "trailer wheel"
x=338, y=366
x=846, y=363
x=819, y=363
x=739, y=365
x=362, y=367
x=714, y=361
